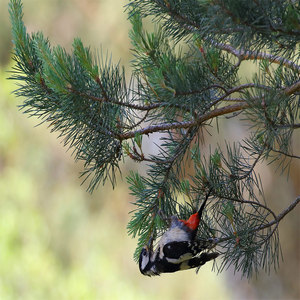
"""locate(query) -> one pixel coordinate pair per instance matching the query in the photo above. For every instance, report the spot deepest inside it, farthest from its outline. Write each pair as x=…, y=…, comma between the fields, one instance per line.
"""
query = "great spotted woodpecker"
x=178, y=248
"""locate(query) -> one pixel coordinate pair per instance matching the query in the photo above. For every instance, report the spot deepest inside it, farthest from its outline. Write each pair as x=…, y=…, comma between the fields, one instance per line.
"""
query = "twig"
x=276, y=220
x=239, y=88
x=187, y=124
x=240, y=54
x=294, y=126
x=255, y=55
x=207, y=116
x=293, y=88
x=213, y=86
x=130, y=105
x=283, y=213
x=177, y=125
x=285, y=154
x=112, y=101
x=102, y=88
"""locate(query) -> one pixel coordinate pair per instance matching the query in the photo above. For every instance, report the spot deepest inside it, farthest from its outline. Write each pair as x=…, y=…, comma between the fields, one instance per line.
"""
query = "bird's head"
x=147, y=260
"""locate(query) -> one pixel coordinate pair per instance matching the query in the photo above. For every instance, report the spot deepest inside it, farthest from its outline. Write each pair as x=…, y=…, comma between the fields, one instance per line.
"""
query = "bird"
x=178, y=248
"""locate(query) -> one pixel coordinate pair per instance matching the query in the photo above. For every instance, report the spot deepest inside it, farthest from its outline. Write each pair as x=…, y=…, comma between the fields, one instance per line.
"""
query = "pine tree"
x=186, y=76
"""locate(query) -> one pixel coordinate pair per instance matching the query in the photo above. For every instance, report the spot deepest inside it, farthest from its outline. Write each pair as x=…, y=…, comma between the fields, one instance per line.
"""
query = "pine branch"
x=187, y=124
x=246, y=24
x=285, y=211
x=207, y=116
x=276, y=220
x=254, y=55
x=293, y=89
x=178, y=91
x=285, y=154
x=146, y=108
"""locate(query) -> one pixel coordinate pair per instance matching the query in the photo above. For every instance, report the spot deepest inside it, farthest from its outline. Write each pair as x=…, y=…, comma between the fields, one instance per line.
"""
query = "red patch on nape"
x=192, y=222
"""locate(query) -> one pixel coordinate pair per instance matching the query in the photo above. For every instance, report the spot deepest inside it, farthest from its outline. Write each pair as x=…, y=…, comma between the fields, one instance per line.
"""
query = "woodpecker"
x=178, y=249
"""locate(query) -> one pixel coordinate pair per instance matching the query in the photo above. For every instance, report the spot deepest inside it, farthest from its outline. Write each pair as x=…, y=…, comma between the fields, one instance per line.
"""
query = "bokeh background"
x=59, y=242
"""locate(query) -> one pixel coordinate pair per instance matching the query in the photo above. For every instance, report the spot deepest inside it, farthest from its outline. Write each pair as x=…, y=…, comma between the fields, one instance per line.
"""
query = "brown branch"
x=226, y=91
x=288, y=209
x=193, y=92
x=146, y=108
x=125, y=104
x=293, y=126
x=237, y=89
x=205, y=117
x=102, y=88
x=293, y=88
x=178, y=125
x=276, y=220
x=281, y=215
x=285, y=154
x=187, y=124
x=255, y=55
x=241, y=54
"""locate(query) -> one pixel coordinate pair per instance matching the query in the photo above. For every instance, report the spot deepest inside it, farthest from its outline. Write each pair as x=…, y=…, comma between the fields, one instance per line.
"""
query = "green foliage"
x=187, y=73
x=55, y=243
x=247, y=24
x=55, y=90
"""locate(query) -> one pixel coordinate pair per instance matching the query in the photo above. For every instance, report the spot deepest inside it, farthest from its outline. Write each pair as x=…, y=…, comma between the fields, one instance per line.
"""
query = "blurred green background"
x=59, y=242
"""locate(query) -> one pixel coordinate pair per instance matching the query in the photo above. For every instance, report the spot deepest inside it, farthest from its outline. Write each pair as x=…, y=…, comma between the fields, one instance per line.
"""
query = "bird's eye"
x=144, y=253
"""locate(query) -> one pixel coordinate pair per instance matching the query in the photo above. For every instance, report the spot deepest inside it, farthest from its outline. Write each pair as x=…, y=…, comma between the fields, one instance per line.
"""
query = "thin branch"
x=102, y=88
x=226, y=91
x=293, y=126
x=207, y=116
x=253, y=203
x=130, y=105
x=239, y=88
x=187, y=124
x=255, y=55
x=125, y=104
x=252, y=166
x=293, y=88
x=285, y=154
x=142, y=119
x=218, y=86
x=284, y=212
x=177, y=125
x=276, y=220
x=179, y=152
x=240, y=54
